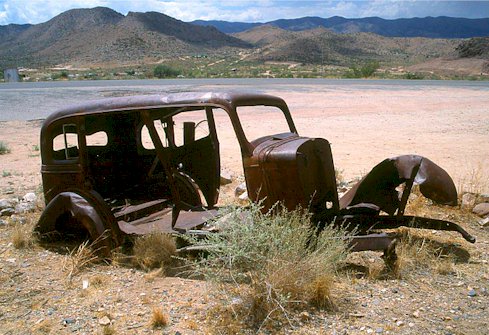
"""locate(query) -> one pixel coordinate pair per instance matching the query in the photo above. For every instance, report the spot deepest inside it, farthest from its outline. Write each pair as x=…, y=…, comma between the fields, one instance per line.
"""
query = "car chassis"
x=123, y=186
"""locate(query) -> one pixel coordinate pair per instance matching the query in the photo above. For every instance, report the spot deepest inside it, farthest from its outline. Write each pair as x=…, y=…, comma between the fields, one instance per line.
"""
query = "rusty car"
x=122, y=166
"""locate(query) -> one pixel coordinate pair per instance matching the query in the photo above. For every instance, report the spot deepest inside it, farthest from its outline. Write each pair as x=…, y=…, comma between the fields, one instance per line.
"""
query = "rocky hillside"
x=323, y=46
x=102, y=35
x=474, y=48
x=10, y=31
x=432, y=27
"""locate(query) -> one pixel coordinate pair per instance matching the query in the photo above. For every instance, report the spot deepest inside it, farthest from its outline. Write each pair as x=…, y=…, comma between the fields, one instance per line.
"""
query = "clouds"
x=37, y=11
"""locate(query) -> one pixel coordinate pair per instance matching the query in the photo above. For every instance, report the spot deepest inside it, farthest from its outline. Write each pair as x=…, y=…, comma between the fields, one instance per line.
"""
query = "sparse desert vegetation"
x=270, y=265
x=263, y=273
x=439, y=285
x=4, y=148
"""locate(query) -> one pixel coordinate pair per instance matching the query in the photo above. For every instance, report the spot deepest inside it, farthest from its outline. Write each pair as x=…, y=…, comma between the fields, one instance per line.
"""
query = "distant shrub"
x=411, y=75
x=365, y=71
x=4, y=149
x=165, y=71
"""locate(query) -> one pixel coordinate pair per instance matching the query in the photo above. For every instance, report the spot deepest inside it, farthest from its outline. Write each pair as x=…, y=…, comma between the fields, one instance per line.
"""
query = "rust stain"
x=122, y=186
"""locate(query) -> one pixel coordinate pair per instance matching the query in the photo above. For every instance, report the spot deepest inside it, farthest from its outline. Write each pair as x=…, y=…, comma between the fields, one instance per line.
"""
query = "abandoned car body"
x=121, y=166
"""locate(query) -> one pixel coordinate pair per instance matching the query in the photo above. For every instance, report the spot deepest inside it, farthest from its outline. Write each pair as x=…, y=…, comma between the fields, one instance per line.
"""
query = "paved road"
x=28, y=101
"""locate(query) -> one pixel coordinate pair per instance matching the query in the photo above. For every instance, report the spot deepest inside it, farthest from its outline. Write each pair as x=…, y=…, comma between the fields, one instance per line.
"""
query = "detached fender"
x=378, y=187
x=87, y=208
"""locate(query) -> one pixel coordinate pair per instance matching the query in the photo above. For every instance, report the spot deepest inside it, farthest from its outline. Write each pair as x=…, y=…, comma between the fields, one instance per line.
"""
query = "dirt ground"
x=450, y=126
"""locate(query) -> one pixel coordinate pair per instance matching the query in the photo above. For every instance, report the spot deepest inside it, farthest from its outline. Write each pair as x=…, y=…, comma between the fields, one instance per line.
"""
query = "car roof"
x=226, y=100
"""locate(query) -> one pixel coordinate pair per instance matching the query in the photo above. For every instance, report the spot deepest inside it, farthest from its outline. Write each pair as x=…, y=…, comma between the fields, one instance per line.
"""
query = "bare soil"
x=449, y=126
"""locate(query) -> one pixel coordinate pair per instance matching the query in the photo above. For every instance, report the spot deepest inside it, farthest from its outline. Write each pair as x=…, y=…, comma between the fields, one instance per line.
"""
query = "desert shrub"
x=365, y=71
x=411, y=75
x=4, y=149
x=59, y=75
x=272, y=263
x=155, y=250
x=165, y=71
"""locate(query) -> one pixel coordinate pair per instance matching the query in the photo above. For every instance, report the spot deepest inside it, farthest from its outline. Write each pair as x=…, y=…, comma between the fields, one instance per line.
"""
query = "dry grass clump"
x=108, y=330
x=159, y=318
x=418, y=250
x=80, y=258
x=22, y=236
x=43, y=327
x=476, y=181
x=22, y=232
x=155, y=250
x=98, y=281
x=273, y=263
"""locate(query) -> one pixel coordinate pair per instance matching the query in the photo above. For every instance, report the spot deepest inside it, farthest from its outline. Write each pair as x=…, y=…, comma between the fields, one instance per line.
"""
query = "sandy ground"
x=448, y=125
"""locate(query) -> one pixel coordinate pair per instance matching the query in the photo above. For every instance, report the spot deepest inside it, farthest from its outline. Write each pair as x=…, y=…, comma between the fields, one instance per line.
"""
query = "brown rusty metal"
x=125, y=188
x=136, y=184
x=84, y=210
x=366, y=224
x=381, y=241
x=293, y=170
x=378, y=187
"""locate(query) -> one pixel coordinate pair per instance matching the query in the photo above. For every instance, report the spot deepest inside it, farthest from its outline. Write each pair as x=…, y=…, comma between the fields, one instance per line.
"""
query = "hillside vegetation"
x=101, y=43
x=101, y=35
x=322, y=46
x=431, y=27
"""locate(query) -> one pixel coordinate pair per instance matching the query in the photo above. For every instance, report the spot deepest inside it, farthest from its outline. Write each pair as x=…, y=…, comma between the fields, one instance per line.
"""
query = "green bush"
x=271, y=263
x=365, y=71
x=411, y=75
x=4, y=149
x=165, y=71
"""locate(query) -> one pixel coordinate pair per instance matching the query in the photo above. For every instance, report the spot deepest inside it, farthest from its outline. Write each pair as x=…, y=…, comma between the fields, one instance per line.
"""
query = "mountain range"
x=431, y=27
x=322, y=46
x=103, y=37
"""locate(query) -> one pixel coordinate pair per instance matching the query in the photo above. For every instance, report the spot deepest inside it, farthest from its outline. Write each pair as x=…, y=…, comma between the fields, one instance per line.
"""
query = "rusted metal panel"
x=162, y=222
x=85, y=209
x=295, y=171
x=126, y=188
x=378, y=187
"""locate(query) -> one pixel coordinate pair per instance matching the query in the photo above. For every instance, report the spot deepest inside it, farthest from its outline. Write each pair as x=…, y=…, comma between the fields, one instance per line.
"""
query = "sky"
x=37, y=11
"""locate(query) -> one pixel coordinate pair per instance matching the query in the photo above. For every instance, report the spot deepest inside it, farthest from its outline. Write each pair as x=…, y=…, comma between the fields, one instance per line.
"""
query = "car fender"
x=89, y=209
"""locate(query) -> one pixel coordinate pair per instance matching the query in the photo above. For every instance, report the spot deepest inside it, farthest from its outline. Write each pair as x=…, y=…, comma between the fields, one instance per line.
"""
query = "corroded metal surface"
x=122, y=186
x=378, y=187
